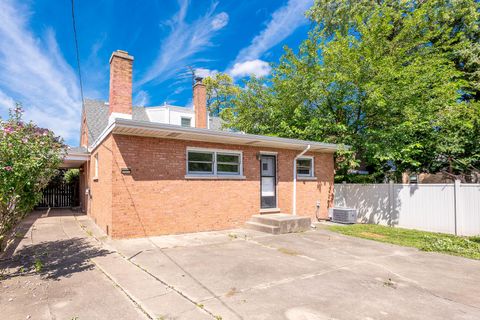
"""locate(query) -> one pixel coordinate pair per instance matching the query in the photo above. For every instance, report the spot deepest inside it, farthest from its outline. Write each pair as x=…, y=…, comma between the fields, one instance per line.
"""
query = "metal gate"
x=60, y=195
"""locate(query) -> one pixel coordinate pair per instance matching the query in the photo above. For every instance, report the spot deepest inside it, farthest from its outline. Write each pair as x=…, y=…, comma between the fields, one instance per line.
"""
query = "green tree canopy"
x=395, y=80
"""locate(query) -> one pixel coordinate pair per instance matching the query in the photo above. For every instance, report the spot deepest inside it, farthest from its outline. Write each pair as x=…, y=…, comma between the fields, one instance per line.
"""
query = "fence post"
x=456, y=202
x=391, y=195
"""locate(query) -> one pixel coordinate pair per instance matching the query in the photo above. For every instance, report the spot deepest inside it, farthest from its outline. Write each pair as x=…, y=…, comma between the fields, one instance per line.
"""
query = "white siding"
x=170, y=115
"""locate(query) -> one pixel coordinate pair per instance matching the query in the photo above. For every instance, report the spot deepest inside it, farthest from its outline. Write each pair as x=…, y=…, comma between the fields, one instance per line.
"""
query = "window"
x=228, y=163
x=200, y=162
x=186, y=122
x=96, y=166
x=213, y=162
x=305, y=167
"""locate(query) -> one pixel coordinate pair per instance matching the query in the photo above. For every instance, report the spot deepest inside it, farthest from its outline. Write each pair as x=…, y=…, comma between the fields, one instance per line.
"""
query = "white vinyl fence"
x=448, y=208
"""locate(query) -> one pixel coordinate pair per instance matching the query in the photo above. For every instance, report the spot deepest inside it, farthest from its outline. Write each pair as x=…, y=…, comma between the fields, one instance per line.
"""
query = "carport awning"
x=75, y=157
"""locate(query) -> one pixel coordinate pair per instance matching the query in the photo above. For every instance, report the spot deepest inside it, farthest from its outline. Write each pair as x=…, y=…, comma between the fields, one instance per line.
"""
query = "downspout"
x=169, y=120
x=294, y=196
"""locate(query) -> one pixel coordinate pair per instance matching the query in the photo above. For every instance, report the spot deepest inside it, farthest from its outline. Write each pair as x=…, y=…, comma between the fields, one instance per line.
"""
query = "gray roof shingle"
x=77, y=149
x=216, y=123
x=96, y=112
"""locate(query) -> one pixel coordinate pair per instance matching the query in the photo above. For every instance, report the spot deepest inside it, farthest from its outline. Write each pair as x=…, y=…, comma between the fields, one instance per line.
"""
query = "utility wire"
x=77, y=51
x=79, y=69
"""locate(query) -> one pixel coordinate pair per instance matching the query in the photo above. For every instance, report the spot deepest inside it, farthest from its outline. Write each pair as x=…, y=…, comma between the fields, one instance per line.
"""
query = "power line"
x=76, y=49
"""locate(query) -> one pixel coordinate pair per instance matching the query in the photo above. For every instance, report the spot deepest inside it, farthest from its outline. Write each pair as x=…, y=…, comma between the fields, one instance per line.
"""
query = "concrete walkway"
x=236, y=274
x=52, y=274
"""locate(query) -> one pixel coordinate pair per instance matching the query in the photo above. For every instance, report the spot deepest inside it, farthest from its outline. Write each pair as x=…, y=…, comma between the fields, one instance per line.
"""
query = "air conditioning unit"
x=344, y=215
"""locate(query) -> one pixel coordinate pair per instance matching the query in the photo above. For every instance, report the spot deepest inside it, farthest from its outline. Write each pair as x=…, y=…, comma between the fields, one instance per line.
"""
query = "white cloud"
x=283, y=23
x=34, y=72
x=141, y=99
x=220, y=21
x=183, y=42
x=6, y=102
x=257, y=67
x=202, y=72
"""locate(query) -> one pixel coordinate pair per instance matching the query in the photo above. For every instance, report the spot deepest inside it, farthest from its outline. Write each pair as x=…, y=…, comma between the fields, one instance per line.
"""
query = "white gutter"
x=294, y=196
x=206, y=134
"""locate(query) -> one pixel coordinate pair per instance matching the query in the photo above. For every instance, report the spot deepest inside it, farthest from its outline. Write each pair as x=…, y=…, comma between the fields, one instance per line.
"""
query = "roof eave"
x=160, y=130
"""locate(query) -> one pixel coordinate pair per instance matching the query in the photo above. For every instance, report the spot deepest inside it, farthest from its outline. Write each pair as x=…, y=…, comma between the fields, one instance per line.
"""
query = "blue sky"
x=38, y=61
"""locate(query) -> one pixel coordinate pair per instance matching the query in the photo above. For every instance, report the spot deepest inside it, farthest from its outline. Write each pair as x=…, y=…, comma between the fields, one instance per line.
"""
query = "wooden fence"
x=60, y=195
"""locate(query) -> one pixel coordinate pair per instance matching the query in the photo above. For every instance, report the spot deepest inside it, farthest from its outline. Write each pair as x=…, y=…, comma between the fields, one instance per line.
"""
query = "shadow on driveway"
x=52, y=259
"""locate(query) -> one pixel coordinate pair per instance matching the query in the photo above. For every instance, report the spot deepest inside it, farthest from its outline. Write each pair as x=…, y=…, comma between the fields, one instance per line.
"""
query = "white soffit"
x=148, y=129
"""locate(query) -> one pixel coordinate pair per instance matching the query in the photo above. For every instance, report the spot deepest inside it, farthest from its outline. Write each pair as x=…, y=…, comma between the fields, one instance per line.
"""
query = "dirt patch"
x=232, y=292
x=372, y=235
x=288, y=251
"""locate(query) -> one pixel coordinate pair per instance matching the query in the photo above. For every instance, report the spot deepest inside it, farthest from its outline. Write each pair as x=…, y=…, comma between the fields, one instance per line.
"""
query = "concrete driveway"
x=242, y=274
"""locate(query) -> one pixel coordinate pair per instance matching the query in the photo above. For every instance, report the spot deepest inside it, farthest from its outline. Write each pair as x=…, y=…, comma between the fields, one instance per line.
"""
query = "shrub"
x=71, y=175
x=29, y=158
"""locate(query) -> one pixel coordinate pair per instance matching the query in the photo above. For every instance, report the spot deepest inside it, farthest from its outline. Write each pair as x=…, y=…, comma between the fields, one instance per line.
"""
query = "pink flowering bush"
x=29, y=158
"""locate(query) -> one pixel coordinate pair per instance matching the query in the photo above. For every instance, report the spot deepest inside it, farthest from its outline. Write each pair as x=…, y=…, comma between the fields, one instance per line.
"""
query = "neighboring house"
x=438, y=177
x=163, y=170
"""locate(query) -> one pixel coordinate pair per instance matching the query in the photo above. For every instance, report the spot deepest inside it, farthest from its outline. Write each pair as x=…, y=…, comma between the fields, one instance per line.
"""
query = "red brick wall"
x=99, y=204
x=157, y=199
x=121, y=83
x=200, y=105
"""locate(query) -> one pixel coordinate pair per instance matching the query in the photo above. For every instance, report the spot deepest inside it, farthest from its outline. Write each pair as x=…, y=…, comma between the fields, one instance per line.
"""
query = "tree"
x=71, y=176
x=29, y=158
x=385, y=77
x=452, y=26
x=220, y=92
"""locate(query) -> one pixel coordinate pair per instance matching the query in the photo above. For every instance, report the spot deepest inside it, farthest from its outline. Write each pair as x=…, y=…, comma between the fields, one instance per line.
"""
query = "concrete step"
x=262, y=227
x=272, y=219
x=285, y=222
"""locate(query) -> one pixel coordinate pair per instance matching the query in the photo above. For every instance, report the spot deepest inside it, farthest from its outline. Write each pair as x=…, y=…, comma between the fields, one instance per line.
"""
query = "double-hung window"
x=214, y=162
x=186, y=122
x=305, y=167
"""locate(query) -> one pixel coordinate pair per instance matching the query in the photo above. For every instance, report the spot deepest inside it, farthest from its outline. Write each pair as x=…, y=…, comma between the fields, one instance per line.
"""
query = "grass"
x=38, y=265
x=468, y=247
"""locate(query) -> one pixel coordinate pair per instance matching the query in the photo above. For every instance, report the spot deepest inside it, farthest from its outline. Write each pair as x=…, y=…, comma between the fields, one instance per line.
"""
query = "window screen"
x=304, y=167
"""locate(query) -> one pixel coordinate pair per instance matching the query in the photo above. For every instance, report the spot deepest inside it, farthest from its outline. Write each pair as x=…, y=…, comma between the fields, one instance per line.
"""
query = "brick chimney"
x=200, y=103
x=120, y=85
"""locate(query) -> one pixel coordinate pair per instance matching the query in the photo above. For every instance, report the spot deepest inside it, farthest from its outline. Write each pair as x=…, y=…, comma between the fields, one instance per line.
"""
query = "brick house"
x=164, y=170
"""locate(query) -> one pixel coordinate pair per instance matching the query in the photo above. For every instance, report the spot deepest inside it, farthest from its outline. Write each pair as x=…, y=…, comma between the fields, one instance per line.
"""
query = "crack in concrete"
x=415, y=284
x=267, y=285
x=183, y=295
x=115, y=284
x=271, y=247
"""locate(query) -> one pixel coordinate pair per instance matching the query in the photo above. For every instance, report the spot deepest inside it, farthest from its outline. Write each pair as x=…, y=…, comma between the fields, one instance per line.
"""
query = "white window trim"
x=215, y=174
x=95, y=159
x=189, y=118
x=310, y=176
